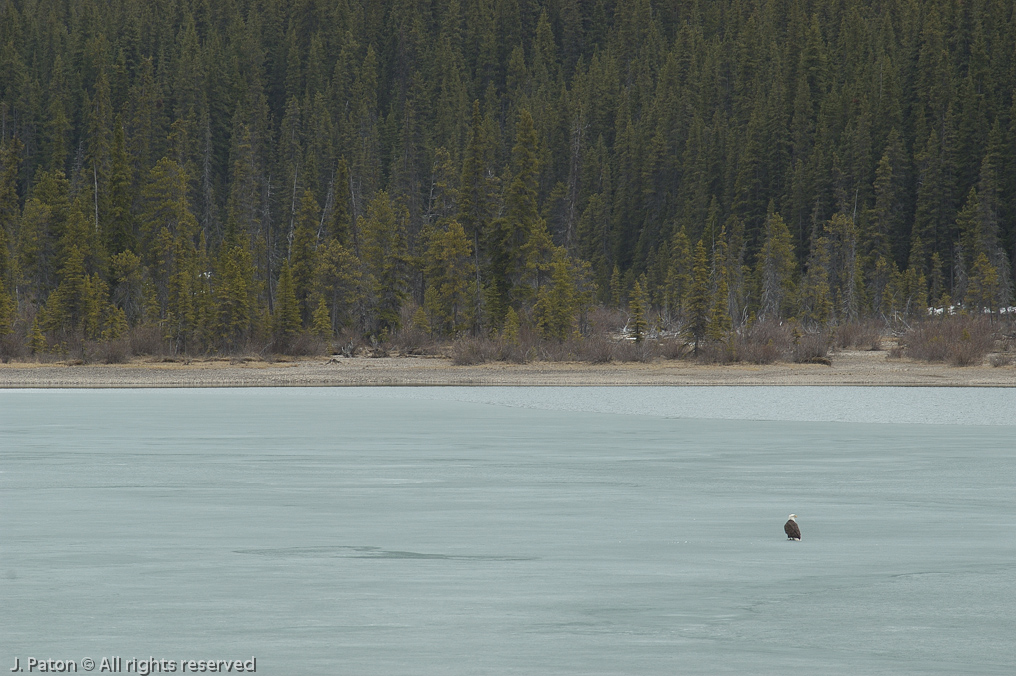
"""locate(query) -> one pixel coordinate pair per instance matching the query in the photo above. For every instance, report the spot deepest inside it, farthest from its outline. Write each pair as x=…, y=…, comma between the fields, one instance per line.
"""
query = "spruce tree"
x=638, y=325
x=449, y=277
x=385, y=262
x=556, y=303
x=775, y=270
x=286, y=318
x=697, y=300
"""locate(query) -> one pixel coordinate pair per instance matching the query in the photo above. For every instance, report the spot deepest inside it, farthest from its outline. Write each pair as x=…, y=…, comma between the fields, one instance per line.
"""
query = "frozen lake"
x=512, y=530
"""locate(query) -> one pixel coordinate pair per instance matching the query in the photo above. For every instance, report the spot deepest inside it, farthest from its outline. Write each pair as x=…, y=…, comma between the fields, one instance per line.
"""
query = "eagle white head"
x=793, y=517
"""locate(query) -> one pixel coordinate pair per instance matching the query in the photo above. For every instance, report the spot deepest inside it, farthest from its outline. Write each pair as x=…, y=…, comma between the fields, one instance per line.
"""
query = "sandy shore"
x=848, y=368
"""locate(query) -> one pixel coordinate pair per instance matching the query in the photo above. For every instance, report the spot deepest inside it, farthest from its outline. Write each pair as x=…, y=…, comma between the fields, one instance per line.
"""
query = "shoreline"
x=848, y=368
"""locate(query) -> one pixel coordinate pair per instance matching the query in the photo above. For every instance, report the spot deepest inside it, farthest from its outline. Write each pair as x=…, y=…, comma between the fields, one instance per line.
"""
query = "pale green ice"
x=512, y=530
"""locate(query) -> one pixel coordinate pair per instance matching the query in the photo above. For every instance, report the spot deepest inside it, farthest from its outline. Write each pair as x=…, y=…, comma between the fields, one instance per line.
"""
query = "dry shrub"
x=301, y=345
x=863, y=335
x=716, y=353
x=604, y=320
x=1001, y=359
x=349, y=342
x=958, y=340
x=147, y=341
x=411, y=340
x=634, y=351
x=811, y=348
x=108, y=351
x=553, y=350
x=470, y=351
x=764, y=342
x=596, y=349
x=670, y=347
x=13, y=346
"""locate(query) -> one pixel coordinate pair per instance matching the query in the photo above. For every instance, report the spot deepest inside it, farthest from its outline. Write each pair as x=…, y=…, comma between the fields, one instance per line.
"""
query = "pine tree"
x=719, y=302
x=775, y=270
x=338, y=280
x=679, y=273
x=638, y=325
x=449, y=277
x=321, y=325
x=7, y=310
x=119, y=233
x=521, y=243
x=286, y=318
x=10, y=162
x=983, y=286
x=697, y=300
x=556, y=303
x=816, y=298
x=615, y=287
x=303, y=252
x=386, y=263
x=235, y=310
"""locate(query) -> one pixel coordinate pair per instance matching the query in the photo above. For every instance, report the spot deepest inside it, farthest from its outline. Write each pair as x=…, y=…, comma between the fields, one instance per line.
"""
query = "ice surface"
x=409, y=531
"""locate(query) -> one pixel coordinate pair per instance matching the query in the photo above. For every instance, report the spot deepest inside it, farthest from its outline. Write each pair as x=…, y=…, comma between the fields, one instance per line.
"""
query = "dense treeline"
x=226, y=170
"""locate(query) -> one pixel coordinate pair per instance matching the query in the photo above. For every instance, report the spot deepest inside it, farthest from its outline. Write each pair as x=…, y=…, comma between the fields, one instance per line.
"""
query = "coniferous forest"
x=223, y=172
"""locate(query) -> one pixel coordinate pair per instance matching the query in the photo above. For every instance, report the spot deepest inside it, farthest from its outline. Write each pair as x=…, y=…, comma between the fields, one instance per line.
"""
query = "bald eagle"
x=791, y=528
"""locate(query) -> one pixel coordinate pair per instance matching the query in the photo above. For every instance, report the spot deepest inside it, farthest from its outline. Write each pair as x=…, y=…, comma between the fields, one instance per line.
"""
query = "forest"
x=221, y=174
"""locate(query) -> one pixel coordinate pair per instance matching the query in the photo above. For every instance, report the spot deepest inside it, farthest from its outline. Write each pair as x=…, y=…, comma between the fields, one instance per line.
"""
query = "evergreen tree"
x=449, y=276
x=286, y=318
x=303, y=252
x=556, y=302
x=719, y=303
x=215, y=142
x=638, y=325
x=697, y=300
x=775, y=270
x=386, y=263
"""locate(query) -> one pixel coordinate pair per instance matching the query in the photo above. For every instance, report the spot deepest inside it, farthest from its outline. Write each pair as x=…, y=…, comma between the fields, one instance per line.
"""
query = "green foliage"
x=638, y=325
x=697, y=301
x=512, y=327
x=449, y=274
x=235, y=311
x=775, y=270
x=321, y=325
x=172, y=165
x=303, y=253
x=286, y=318
x=556, y=306
x=338, y=281
x=6, y=310
x=385, y=263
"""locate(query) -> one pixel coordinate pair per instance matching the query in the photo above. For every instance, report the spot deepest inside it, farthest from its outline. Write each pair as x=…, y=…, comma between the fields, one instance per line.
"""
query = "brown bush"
x=553, y=350
x=670, y=347
x=411, y=340
x=107, y=351
x=716, y=353
x=632, y=351
x=348, y=342
x=862, y=335
x=147, y=341
x=958, y=340
x=301, y=345
x=470, y=351
x=764, y=343
x=604, y=320
x=596, y=349
x=1001, y=359
x=13, y=346
x=810, y=348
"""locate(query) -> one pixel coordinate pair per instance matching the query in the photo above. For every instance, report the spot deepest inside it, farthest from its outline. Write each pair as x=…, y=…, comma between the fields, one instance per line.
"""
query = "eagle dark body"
x=792, y=530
